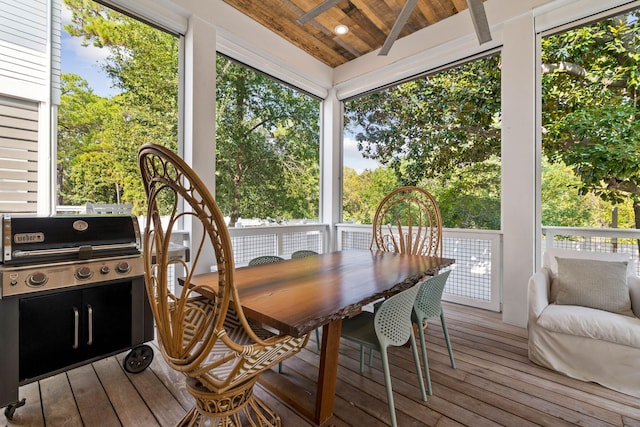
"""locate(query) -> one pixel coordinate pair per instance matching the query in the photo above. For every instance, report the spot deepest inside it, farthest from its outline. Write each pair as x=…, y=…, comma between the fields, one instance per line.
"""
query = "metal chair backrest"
x=408, y=220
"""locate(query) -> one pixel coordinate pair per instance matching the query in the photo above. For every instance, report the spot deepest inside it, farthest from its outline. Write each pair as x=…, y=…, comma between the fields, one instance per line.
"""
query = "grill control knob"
x=105, y=269
x=37, y=279
x=123, y=267
x=83, y=273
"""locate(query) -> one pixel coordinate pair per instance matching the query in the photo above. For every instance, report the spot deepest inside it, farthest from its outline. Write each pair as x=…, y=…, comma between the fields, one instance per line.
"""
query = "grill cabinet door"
x=107, y=311
x=48, y=326
x=63, y=329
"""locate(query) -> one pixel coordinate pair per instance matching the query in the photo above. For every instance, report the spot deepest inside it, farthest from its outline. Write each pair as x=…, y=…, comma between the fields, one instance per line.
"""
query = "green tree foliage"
x=469, y=197
x=590, y=97
x=441, y=132
x=98, y=138
x=267, y=146
x=267, y=141
x=561, y=200
x=433, y=127
x=433, y=124
x=80, y=123
x=363, y=192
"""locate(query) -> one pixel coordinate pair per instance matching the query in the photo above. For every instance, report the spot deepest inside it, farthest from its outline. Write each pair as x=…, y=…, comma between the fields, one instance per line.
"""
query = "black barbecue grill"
x=71, y=292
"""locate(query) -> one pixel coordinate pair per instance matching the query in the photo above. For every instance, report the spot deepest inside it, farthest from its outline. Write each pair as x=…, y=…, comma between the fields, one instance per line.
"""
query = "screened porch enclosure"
x=501, y=260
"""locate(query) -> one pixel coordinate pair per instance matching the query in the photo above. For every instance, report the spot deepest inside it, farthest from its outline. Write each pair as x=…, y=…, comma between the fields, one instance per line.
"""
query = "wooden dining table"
x=299, y=295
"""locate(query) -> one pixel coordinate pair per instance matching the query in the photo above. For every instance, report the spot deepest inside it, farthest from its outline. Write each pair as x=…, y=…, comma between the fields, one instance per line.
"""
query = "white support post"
x=200, y=112
x=331, y=165
x=518, y=165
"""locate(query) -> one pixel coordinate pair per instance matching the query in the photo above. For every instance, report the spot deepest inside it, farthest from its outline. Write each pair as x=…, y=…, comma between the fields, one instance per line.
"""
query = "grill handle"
x=90, y=315
x=76, y=327
x=78, y=250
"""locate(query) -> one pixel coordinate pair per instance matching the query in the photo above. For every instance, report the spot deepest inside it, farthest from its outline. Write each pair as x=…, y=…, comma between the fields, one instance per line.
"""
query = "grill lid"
x=29, y=239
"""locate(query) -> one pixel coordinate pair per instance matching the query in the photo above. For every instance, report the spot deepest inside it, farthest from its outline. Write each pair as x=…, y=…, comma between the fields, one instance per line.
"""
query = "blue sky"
x=86, y=62
x=353, y=158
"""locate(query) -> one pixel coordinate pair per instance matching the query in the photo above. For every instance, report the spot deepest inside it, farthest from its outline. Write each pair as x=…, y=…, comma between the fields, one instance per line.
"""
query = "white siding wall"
x=18, y=156
x=30, y=46
x=26, y=48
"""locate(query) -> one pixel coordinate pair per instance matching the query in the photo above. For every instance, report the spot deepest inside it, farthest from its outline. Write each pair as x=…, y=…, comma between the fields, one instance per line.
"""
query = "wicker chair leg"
x=235, y=407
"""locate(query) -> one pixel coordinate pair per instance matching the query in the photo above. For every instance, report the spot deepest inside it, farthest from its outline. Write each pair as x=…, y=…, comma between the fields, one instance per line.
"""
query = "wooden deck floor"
x=494, y=384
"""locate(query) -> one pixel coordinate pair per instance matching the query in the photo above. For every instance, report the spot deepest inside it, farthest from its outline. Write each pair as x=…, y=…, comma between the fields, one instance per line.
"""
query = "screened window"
x=591, y=136
x=267, y=148
x=119, y=90
x=440, y=132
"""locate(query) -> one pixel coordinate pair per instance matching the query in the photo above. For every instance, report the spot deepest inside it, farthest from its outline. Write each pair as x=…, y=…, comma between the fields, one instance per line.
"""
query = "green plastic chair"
x=428, y=306
x=303, y=254
x=265, y=259
x=389, y=326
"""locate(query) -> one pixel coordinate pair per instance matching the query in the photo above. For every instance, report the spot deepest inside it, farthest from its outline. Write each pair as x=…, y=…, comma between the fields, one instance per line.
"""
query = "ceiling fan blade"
x=479, y=19
x=402, y=19
x=322, y=7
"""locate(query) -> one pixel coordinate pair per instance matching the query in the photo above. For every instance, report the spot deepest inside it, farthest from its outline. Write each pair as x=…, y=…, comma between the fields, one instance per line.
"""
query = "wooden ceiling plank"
x=371, y=22
x=322, y=7
x=395, y=5
x=398, y=26
x=460, y=5
x=284, y=25
x=364, y=27
x=349, y=47
x=371, y=14
x=388, y=10
x=357, y=41
x=417, y=20
x=427, y=11
x=440, y=9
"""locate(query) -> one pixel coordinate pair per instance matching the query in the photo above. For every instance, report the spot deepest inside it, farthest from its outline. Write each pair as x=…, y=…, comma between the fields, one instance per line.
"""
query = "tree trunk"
x=636, y=215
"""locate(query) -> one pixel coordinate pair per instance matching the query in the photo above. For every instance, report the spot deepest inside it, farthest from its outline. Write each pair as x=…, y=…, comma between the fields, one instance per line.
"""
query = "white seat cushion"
x=591, y=323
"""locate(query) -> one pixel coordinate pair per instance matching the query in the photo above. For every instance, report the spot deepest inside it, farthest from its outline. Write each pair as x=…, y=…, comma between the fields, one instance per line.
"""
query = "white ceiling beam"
x=479, y=19
x=402, y=19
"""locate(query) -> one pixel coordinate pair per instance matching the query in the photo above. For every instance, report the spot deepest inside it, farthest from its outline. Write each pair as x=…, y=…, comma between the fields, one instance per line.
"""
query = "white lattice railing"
x=476, y=277
x=280, y=240
x=621, y=240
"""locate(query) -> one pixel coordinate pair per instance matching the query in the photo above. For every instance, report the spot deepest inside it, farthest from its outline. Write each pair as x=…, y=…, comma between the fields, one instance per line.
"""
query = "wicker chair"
x=208, y=339
x=408, y=221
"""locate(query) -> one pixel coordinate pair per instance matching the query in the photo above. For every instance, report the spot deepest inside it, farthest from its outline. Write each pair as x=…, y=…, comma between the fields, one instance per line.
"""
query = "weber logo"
x=28, y=238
